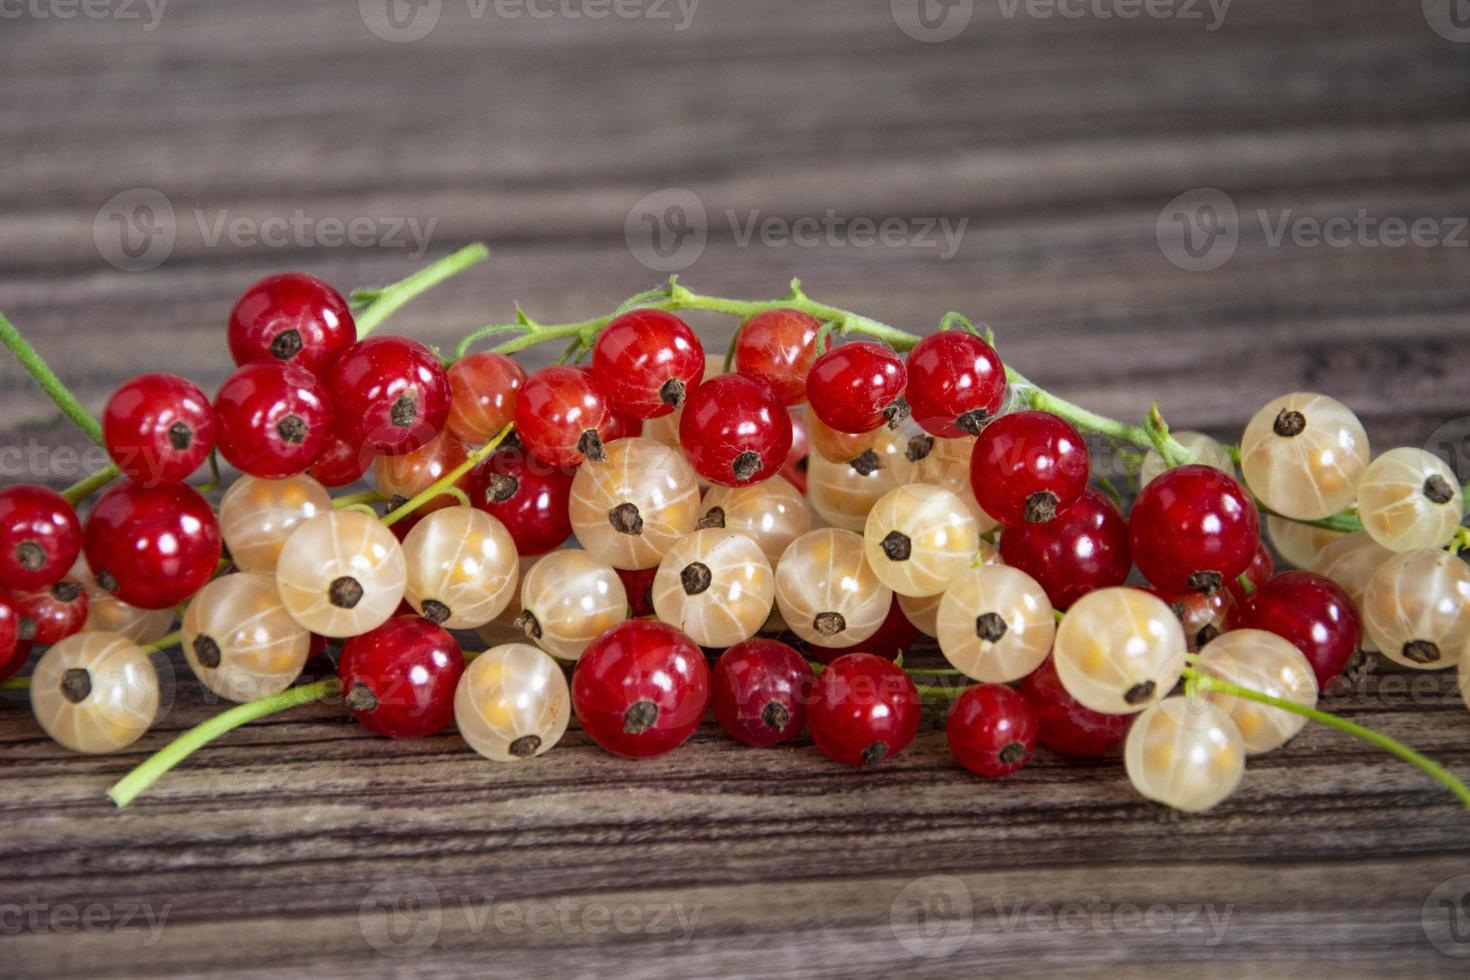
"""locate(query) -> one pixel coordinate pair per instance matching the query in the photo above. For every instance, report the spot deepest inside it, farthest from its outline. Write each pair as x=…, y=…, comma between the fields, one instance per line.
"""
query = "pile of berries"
x=763, y=535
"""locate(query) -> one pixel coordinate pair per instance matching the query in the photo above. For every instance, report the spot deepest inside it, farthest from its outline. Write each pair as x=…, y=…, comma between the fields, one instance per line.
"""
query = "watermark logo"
x=404, y=21
x=400, y=21
x=1198, y=231
x=36, y=917
x=933, y=916
x=1451, y=443
x=1209, y=12
x=1446, y=917
x=401, y=917
x=135, y=230
x=1450, y=19
x=149, y=12
x=932, y=21
x=666, y=231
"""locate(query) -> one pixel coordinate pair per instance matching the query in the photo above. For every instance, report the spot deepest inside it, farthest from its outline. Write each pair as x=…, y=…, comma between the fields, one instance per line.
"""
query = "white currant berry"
x=771, y=513
x=1209, y=452
x=462, y=567
x=946, y=463
x=256, y=517
x=1185, y=753
x=629, y=509
x=843, y=493
x=918, y=537
x=568, y=599
x=1410, y=499
x=995, y=624
x=1303, y=455
x=512, y=703
x=827, y=593
x=1262, y=662
x=1350, y=562
x=922, y=612
x=716, y=586
x=1417, y=608
x=95, y=692
x=1119, y=650
x=239, y=639
x=341, y=574
x=106, y=613
x=1299, y=544
x=503, y=629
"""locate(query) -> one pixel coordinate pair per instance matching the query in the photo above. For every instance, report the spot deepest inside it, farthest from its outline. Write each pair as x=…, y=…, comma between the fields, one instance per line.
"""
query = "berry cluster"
x=764, y=536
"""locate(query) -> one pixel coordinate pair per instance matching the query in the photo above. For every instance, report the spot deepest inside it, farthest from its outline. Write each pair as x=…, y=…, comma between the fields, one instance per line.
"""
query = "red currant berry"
x=894, y=637
x=1313, y=614
x=864, y=710
x=857, y=387
x=645, y=361
x=956, y=384
x=1083, y=549
x=641, y=688
x=274, y=419
x=991, y=730
x=1193, y=528
x=1257, y=573
x=159, y=428
x=1203, y=617
x=391, y=394
x=1028, y=467
x=761, y=690
x=735, y=431
x=342, y=460
x=531, y=498
x=399, y=679
x=620, y=426
x=795, y=468
x=290, y=317
x=779, y=347
x=40, y=537
x=14, y=651
x=1064, y=725
x=638, y=583
x=562, y=417
x=49, y=616
x=482, y=391
x=152, y=547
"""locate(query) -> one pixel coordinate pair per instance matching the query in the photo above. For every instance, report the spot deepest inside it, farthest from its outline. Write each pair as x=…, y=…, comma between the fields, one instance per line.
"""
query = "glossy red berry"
x=14, y=651
x=620, y=426
x=562, y=417
x=956, y=384
x=152, y=547
x=530, y=497
x=483, y=389
x=1193, y=528
x=991, y=730
x=1313, y=614
x=342, y=460
x=638, y=583
x=761, y=690
x=1083, y=549
x=735, y=431
x=779, y=347
x=864, y=710
x=859, y=386
x=290, y=317
x=390, y=394
x=1064, y=725
x=894, y=637
x=399, y=679
x=159, y=428
x=48, y=616
x=1027, y=467
x=641, y=688
x=40, y=537
x=1257, y=573
x=645, y=362
x=273, y=419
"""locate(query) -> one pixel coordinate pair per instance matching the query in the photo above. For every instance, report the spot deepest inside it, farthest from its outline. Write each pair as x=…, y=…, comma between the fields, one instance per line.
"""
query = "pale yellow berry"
x=512, y=703
x=1417, y=608
x=771, y=513
x=995, y=624
x=922, y=612
x=843, y=493
x=257, y=516
x=946, y=463
x=1303, y=455
x=568, y=598
x=106, y=613
x=462, y=567
x=1185, y=753
x=716, y=586
x=1299, y=544
x=1263, y=662
x=1119, y=650
x=240, y=641
x=95, y=692
x=341, y=574
x=1410, y=499
x=1208, y=451
x=918, y=537
x=1350, y=561
x=827, y=593
x=630, y=509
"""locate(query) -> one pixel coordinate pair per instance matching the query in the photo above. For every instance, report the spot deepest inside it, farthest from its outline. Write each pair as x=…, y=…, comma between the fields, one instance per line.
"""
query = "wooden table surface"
x=304, y=845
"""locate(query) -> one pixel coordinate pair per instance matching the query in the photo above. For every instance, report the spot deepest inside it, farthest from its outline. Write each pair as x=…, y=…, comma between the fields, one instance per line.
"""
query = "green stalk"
x=386, y=301
x=83, y=489
x=16, y=684
x=149, y=772
x=38, y=369
x=353, y=499
x=172, y=640
x=447, y=480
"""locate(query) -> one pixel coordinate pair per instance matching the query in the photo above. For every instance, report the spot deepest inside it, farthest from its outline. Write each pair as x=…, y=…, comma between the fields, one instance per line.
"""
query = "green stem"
x=172, y=640
x=1346, y=522
x=931, y=691
x=447, y=480
x=387, y=300
x=38, y=369
x=353, y=499
x=152, y=768
x=1207, y=682
x=16, y=684
x=83, y=489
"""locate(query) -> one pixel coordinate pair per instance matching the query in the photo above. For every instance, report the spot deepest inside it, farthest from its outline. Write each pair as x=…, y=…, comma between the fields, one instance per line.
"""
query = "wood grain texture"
x=283, y=849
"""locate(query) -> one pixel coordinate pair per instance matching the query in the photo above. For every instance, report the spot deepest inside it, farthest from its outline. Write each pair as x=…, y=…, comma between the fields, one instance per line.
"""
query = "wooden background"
x=284, y=848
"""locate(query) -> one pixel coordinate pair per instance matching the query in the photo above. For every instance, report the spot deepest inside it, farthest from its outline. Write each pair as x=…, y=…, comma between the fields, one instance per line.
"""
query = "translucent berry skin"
x=761, y=690
x=991, y=730
x=1193, y=528
x=918, y=537
x=645, y=362
x=1202, y=617
x=632, y=507
x=391, y=394
x=53, y=614
x=562, y=417
x=569, y=599
x=1080, y=551
x=462, y=568
x=1264, y=662
x=240, y=641
x=404, y=476
x=113, y=706
x=1185, y=753
x=839, y=447
x=1409, y=498
x=1028, y=466
x=152, y=547
x=399, y=679
x=1416, y=607
x=773, y=513
x=341, y=574
x=1310, y=612
x=859, y=386
x=1304, y=454
x=1119, y=650
x=956, y=384
x=512, y=703
x=530, y=497
x=1298, y=543
x=894, y=636
x=864, y=710
x=827, y=593
x=641, y=688
x=40, y=536
x=995, y=624
x=735, y=431
x=779, y=347
x=1351, y=562
x=341, y=461
x=716, y=585
x=483, y=389
x=159, y=428
x=1064, y=725
x=842, y=495
x=290, y=317
x=272, y=419
x=257, y=516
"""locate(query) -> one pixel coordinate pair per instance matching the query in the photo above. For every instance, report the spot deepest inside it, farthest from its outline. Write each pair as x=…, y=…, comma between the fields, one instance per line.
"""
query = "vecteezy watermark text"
x=34, y=916
x=149, y=12
x=404, y=21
